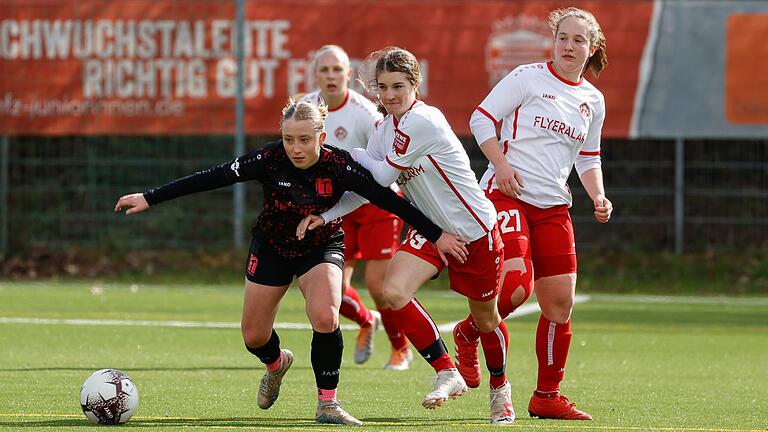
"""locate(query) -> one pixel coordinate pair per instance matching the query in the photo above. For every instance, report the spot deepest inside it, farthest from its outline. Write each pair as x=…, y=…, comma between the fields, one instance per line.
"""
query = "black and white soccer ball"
x=109, y=396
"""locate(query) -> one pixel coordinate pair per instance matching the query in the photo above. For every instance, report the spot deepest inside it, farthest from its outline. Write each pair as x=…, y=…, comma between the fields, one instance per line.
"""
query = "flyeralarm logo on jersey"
x=516, y=40
x=401, y=142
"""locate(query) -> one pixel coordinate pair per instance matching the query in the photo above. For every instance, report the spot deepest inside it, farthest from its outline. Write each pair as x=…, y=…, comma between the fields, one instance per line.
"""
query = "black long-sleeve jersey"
x=291, y=193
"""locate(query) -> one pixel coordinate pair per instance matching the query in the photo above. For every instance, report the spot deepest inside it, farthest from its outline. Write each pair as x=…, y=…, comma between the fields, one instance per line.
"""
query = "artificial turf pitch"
x=636, y=363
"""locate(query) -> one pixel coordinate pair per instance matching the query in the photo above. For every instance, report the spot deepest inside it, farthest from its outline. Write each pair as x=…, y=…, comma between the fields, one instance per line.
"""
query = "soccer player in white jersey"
x=370, y=233
x=416, y=147
x=551, y=119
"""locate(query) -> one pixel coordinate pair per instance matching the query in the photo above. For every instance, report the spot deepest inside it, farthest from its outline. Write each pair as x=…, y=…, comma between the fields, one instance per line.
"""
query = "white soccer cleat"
x=269, y=389
x=330, y=412
x=502, y=411
x=364, y=344
x=448, y=384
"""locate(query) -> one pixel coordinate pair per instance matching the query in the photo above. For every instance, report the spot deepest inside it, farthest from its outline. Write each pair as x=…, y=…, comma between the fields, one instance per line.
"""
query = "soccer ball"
x=109, y=396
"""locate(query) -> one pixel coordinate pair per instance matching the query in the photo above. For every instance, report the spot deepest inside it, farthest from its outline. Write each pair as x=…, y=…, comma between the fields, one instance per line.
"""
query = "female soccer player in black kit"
x=300, y=176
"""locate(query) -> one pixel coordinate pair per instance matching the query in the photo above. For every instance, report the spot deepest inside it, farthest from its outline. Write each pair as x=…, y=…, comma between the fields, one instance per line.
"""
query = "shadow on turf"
x=271, y=423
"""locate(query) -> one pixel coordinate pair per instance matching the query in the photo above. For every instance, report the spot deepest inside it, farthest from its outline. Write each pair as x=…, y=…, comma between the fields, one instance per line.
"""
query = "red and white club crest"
x=400, y=146
x=340, y=133
x=585, y=111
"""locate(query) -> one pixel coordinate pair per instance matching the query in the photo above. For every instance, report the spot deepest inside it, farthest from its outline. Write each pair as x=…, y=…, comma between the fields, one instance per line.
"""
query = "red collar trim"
x=554, y=72
x=394, y=119
x=346, y=98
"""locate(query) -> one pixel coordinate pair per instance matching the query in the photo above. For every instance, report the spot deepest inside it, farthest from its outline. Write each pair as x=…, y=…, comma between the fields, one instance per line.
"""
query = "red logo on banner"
x=253, y=262
x=401, y=142
x=324, y=187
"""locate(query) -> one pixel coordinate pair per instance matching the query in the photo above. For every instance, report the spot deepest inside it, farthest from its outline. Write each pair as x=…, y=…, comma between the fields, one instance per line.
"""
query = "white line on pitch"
x=524, y=310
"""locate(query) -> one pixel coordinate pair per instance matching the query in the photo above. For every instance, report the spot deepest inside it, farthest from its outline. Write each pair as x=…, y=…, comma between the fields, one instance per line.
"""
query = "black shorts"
x=264, y=266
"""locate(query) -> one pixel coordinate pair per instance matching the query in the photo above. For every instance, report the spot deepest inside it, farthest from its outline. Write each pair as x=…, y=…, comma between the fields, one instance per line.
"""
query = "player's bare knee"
x=379, y=299
x=487, y=323
x=518, y=297
x=256, y=338
x=395, y=297
x=324, y=323
x=558, y=314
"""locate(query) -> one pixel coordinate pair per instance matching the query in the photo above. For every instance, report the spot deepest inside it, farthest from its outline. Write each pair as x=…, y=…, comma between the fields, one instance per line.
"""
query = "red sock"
x=394, y=331
x=353, y=308
x=468, y=330
x=552, y=344
x=495, y=350
x=422, y=331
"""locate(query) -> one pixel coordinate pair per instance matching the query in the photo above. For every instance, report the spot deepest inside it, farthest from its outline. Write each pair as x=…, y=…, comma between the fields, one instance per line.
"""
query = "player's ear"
x=321, y=138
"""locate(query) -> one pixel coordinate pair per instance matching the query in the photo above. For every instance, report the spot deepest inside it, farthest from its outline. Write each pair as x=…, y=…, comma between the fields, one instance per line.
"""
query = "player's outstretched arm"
x=135, y=203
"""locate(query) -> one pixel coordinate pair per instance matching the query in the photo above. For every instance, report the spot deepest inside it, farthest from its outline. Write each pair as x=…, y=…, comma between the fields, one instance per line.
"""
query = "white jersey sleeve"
x=589, y=155
x=501, y=102
x=348, y=203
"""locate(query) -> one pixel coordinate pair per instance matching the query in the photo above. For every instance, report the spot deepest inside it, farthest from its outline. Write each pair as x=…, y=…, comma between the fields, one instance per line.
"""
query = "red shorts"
x=370, y=233
x=477, y=278
x=543, y=235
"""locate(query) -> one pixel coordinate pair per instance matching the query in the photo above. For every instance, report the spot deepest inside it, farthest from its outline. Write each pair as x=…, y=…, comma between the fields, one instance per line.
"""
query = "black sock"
x=269, y=352
x=326, y=358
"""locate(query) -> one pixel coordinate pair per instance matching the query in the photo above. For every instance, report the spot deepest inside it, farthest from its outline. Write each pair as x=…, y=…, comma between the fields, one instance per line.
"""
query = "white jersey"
x=433, y=170
x=548, y=123
x=350, y=125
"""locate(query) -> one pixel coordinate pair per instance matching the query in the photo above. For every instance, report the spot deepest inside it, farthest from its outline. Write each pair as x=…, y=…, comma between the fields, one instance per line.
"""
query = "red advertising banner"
x=746, y=89
x=167, y=66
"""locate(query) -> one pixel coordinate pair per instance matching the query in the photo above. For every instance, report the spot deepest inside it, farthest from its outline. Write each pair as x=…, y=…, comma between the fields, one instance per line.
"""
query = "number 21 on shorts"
x=509, y=220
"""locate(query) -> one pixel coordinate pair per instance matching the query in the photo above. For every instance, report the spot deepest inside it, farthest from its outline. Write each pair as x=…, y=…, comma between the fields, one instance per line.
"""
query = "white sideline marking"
x=638, y=298
x=524, y=310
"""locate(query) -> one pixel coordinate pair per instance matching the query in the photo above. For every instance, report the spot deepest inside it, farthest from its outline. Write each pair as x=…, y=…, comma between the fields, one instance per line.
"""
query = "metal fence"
x=58, y=193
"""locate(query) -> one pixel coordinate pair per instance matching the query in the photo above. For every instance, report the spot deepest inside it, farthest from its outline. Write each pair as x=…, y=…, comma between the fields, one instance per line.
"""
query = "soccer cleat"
x=555, y=406
x=466, y=359
x=400, y=359
x=502, y=411
x=330, y=412
x=269, y=389
x=364, y=345
x=448, y=384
